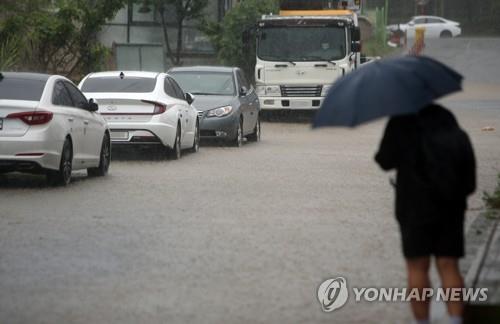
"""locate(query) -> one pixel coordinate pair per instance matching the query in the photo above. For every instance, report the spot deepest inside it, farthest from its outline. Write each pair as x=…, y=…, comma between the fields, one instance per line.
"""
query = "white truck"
x=300, y=53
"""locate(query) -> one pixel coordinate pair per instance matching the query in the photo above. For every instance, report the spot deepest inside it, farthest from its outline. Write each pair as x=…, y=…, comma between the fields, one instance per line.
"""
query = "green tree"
x=184, y=10
x=58, y=36
x=66, y=39
x=226, y=36
x=9, y=53
x=13, y=18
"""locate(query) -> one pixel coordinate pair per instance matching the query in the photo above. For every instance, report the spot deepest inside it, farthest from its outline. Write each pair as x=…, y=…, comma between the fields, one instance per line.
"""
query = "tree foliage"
x=226, y=36
x=9, y=53
x=184, y=10
x=57, y=36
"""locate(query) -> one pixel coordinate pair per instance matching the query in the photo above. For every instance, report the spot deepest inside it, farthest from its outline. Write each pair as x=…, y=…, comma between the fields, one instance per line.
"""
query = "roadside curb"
x=484, y=271
x=479, y=239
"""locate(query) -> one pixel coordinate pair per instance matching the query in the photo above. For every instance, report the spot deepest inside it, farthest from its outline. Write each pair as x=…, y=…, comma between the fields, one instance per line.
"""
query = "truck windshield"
x=302, y=43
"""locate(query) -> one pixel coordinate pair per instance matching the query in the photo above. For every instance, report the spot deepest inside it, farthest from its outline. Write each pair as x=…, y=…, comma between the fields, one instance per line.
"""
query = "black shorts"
x=443, y=239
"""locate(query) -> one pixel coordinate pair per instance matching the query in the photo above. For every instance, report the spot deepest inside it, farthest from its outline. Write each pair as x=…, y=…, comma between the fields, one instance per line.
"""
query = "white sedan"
x=145, y=108
x=435, y=27
x=47, y=125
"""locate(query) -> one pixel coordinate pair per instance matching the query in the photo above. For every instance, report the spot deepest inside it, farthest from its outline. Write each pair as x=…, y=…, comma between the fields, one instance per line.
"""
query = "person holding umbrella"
x=435, y=173
x=432, y=155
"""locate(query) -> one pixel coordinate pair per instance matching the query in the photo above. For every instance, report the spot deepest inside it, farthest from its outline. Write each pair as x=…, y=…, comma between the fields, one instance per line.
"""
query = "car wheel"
x=62, y=177
x=196, y=142
x=446, y=34
x=175, y=152
x=104, y=160
x=255, y=136
x=238, y=140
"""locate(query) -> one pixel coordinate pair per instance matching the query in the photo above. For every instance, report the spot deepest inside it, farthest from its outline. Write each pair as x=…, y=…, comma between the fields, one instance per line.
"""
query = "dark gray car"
x=227, y=103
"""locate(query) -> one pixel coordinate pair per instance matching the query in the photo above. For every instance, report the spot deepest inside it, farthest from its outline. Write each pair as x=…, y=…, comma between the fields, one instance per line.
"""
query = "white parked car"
x=435, y=27
x=47, y=125
x=145, y=108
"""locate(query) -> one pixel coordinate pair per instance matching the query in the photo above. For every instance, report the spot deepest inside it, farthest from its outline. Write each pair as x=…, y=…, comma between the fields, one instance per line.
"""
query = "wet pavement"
x=489, y=273
x=226, y=235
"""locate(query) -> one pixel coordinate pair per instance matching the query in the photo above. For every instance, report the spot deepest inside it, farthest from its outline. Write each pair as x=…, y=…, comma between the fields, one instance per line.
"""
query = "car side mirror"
x=243, y=91
x=355, y=34
x=92, y=105
x=189, y=98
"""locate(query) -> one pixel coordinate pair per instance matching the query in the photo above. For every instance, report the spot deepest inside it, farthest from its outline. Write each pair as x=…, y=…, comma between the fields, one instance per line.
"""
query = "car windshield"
x=206, y=83
x=21, y=89
x=115, y=84
x=302, y=43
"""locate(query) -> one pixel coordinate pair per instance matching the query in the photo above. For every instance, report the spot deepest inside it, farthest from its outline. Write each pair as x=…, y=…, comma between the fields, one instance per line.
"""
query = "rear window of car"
x=21, y=89
x=115, y=84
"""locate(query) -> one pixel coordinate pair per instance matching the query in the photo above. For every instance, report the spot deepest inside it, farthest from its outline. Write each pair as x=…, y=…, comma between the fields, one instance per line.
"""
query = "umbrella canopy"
x=387, y=87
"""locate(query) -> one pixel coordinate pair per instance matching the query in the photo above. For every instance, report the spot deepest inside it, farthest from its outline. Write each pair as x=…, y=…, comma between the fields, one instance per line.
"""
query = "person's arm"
x=469, y=166
x=388, y=153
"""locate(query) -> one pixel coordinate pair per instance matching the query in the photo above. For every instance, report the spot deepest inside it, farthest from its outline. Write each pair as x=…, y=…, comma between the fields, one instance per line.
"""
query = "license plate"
x=300, y=103
x=1, y=123
x=119, y=135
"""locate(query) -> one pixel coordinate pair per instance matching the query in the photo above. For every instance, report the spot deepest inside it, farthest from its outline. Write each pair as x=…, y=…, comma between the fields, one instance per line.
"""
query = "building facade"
x=136, y=38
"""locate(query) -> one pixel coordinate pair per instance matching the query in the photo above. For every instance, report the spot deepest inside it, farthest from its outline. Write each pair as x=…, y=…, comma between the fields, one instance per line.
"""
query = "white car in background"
x=145, y=108
x=435, y=27
x=47, y=125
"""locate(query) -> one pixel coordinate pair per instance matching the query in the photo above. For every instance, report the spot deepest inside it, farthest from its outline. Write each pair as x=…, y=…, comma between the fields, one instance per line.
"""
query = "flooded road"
x=226, y=235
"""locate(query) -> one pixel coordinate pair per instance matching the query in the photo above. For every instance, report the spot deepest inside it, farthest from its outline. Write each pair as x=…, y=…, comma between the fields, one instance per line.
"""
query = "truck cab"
x=300, y=54
x=303, y=50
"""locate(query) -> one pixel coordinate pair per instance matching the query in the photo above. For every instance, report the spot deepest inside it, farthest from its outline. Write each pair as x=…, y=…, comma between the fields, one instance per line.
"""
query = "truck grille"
x=301, y=91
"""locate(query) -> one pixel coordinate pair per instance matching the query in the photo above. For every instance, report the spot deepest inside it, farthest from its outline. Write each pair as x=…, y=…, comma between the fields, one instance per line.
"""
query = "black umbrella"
x=387, y=87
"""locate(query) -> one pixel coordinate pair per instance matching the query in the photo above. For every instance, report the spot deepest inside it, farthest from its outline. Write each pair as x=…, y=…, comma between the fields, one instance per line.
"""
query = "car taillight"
x=33, y=117
x=159, y=107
